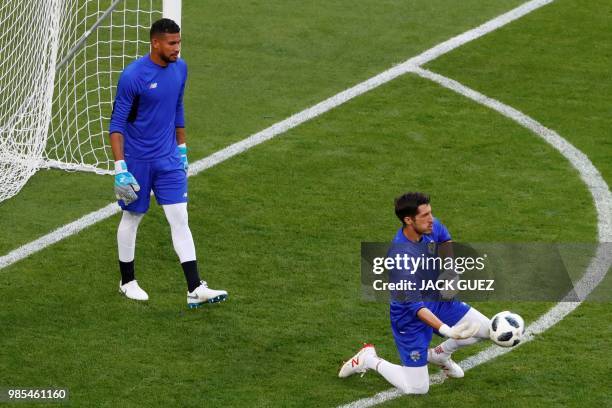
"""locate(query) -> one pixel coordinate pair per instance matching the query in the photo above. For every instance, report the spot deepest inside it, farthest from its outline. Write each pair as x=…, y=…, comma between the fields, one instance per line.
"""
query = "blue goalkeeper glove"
x=183, y=152
x=126, y=185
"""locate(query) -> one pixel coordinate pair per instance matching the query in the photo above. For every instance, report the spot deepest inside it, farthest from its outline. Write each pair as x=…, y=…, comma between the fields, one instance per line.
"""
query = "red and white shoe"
x=449, y=367
x=357, y=363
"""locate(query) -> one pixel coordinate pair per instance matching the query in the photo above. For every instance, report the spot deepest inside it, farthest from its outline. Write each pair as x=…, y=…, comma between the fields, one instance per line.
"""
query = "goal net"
x=27, y=65
x=61, y=60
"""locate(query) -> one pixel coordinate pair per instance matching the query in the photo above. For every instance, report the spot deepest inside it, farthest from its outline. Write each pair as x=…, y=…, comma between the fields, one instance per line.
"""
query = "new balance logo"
x=153, y=85
x=354, y=362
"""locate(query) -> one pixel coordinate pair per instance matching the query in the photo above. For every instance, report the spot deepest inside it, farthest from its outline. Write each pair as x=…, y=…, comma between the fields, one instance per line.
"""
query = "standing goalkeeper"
x=147, y=134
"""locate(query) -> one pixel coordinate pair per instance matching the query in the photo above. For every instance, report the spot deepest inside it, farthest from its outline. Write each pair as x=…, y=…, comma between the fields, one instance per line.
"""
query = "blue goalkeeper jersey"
x=149, y=107
x=412, y=301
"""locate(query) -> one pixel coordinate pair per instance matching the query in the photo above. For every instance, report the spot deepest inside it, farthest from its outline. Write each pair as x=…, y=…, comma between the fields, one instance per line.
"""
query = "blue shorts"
x=412, y=336
x=166, y=177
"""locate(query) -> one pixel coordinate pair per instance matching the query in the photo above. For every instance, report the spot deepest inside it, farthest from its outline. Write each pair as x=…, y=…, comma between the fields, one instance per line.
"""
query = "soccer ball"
x=506, y=329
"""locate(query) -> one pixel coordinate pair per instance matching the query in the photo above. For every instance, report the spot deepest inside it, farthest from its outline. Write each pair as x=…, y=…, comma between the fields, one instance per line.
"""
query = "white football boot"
x=131, y=290
x=449, y=367
x=357, y=363
x=203, y=294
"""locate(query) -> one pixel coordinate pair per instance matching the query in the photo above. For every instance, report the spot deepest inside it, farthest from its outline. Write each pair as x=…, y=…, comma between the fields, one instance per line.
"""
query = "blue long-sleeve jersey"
x=149, y=107
x=412, y=301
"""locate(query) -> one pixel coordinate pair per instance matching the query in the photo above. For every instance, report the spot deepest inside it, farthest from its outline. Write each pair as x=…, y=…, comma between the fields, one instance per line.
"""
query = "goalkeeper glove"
x=183, y=152
x=459, y=331
x=126, y=185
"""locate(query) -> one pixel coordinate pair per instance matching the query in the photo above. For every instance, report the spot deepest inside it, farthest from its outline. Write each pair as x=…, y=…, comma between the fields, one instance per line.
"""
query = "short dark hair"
x=163, y=26
x=407, y=204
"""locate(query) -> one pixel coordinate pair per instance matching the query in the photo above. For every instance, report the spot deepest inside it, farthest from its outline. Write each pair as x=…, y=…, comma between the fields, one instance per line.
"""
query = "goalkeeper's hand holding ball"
x=126, y=185
x=459, y=331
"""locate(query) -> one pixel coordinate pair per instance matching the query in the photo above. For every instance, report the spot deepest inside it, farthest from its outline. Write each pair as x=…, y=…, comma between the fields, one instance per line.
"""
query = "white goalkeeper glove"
x=126, y=185
x=460, y=331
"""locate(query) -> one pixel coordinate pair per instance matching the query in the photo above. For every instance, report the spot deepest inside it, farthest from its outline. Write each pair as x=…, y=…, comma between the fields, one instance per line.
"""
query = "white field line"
x=350, y=93
x=283, y=126
x=588, y=173
x=599, y=265
x=59, y=234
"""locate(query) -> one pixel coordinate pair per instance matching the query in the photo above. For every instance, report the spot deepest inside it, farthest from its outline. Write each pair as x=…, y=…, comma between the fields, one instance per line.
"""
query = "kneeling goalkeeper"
x=417, y=316
x=147, y=133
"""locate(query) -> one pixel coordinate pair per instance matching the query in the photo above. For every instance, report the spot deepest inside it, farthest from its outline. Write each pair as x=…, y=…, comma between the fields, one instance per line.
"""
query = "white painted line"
x=599, y=265
x=587, y=171
x=478, y=32
x=58, y=235
x=388, y=395
x=283, y=126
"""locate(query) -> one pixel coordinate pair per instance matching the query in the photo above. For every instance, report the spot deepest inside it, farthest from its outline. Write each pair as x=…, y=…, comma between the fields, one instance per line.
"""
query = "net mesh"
x=61, y=60
x=86, y=80
x=28, y=50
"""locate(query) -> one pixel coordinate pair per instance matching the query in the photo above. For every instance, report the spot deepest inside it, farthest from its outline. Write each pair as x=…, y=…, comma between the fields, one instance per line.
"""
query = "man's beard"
x=167, y=60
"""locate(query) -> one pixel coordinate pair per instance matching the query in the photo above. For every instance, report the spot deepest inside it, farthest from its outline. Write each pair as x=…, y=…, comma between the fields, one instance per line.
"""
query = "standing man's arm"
x=181, y=141
x=116, y=142
x=126, y=185
x=180, y=136
x=179, y=124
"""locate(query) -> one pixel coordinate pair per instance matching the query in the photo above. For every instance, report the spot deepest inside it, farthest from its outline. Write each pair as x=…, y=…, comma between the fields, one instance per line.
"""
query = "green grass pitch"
x=280, y=226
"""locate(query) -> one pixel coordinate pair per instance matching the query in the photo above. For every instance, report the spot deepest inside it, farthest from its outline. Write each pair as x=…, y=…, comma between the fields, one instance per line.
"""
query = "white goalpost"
x=61, y=60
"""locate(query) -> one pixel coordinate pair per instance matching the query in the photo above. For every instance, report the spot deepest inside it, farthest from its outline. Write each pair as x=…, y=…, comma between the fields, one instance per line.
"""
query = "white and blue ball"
x=506, y=329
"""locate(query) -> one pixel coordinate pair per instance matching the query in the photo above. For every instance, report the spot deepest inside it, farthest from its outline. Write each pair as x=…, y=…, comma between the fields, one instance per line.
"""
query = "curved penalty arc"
x=599, y=264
